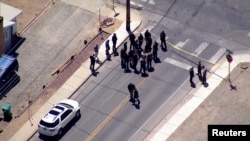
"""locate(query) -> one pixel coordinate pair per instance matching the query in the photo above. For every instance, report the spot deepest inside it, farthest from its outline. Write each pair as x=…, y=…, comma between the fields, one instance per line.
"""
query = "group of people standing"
x=135, y=53
x=201, y=72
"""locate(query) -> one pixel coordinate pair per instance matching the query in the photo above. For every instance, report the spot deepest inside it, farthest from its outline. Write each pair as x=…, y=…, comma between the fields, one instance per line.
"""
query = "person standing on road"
x=96, y=50
x=92, y=62
x=126, y=59
x=131, y=88
x=143, y=66
x=163, y=41
x=132, y=41
x=204, y=77
x=147, y=35
x=140, y=41
x=135, y=61
x=114, y=40
x=199, y=69
x=122, y=54
x=149, y=61
x=136, y=98
x=107, y=50
x=155, y=50
x=191, y=74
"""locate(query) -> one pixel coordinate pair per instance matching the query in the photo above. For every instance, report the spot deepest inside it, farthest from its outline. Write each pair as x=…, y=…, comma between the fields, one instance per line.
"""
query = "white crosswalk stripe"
x=181, y=44
x=201, y=47
x=177, y=63
x=217, y=55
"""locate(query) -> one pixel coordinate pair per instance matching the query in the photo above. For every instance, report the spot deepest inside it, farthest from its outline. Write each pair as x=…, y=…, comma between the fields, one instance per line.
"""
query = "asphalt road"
x=201, y=29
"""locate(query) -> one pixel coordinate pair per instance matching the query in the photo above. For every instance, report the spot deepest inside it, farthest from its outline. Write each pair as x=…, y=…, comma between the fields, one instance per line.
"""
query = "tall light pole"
x=128, y=16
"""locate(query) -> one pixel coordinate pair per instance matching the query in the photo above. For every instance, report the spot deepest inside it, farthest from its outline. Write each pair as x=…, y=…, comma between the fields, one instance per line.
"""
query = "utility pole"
x=128, y=16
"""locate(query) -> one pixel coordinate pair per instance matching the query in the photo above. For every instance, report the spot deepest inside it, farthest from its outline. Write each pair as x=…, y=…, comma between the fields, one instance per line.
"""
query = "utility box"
x=6, y=108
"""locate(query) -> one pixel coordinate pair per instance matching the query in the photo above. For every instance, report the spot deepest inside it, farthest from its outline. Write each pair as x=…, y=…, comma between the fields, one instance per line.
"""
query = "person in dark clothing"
x=92, y=62
x=147, y=35
x=149, y=60
x=107, y=50
x=199, y=69
x=204, y=77
x=140, y=41
x=191, y=74
x=143, y=66
x=114, y=40
x=131, y=55
x=148, y=45
x=136, y=99
x=135, y=61
x=131, y=88
x=122, y=54
x=126, y=59
x=132, y=41
x=155, y=50
x=163, y=40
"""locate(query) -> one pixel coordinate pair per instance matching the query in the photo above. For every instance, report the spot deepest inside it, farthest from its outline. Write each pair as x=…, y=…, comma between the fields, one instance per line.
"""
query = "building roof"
x=8, y=12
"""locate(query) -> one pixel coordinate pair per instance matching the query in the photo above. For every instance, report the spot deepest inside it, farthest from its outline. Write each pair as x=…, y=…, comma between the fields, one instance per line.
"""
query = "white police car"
x=58, y=117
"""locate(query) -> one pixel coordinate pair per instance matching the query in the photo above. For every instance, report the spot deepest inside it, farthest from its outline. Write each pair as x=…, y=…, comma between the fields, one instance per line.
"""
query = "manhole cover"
x=243, y=66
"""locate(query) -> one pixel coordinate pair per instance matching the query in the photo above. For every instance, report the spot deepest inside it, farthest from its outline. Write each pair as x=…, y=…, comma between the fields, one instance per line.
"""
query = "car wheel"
x=59, y=134
x=78, y=114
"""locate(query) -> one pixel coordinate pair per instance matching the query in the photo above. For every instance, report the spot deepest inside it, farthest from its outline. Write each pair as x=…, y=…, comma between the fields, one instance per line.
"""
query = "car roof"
x=58, y=109
x=54, y=113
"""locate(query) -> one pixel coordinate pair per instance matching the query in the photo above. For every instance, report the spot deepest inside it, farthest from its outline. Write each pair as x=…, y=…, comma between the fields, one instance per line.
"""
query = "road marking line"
x=117, y=109
x=179, y=48
x=181, y=44
x=201, y=47
x=217, y=55
x=177, y=63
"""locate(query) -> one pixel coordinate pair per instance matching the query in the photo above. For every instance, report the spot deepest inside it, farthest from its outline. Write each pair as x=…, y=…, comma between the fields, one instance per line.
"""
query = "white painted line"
x=217, y=55
x=168, y=129
x=201, y=47
x=176, y=120
x=177, y=63
x=159, y=137
x=181, y=44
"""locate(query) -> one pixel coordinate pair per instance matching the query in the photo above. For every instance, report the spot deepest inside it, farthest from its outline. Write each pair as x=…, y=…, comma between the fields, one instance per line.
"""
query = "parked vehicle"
x=58, y=117
x=8, y=68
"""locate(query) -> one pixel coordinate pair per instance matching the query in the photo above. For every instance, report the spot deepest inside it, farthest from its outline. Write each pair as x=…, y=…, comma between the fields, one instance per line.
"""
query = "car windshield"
x=49, y=125
x=66, y=105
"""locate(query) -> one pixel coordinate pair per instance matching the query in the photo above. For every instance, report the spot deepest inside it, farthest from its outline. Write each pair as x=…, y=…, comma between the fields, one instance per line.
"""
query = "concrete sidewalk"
x=76, y=80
